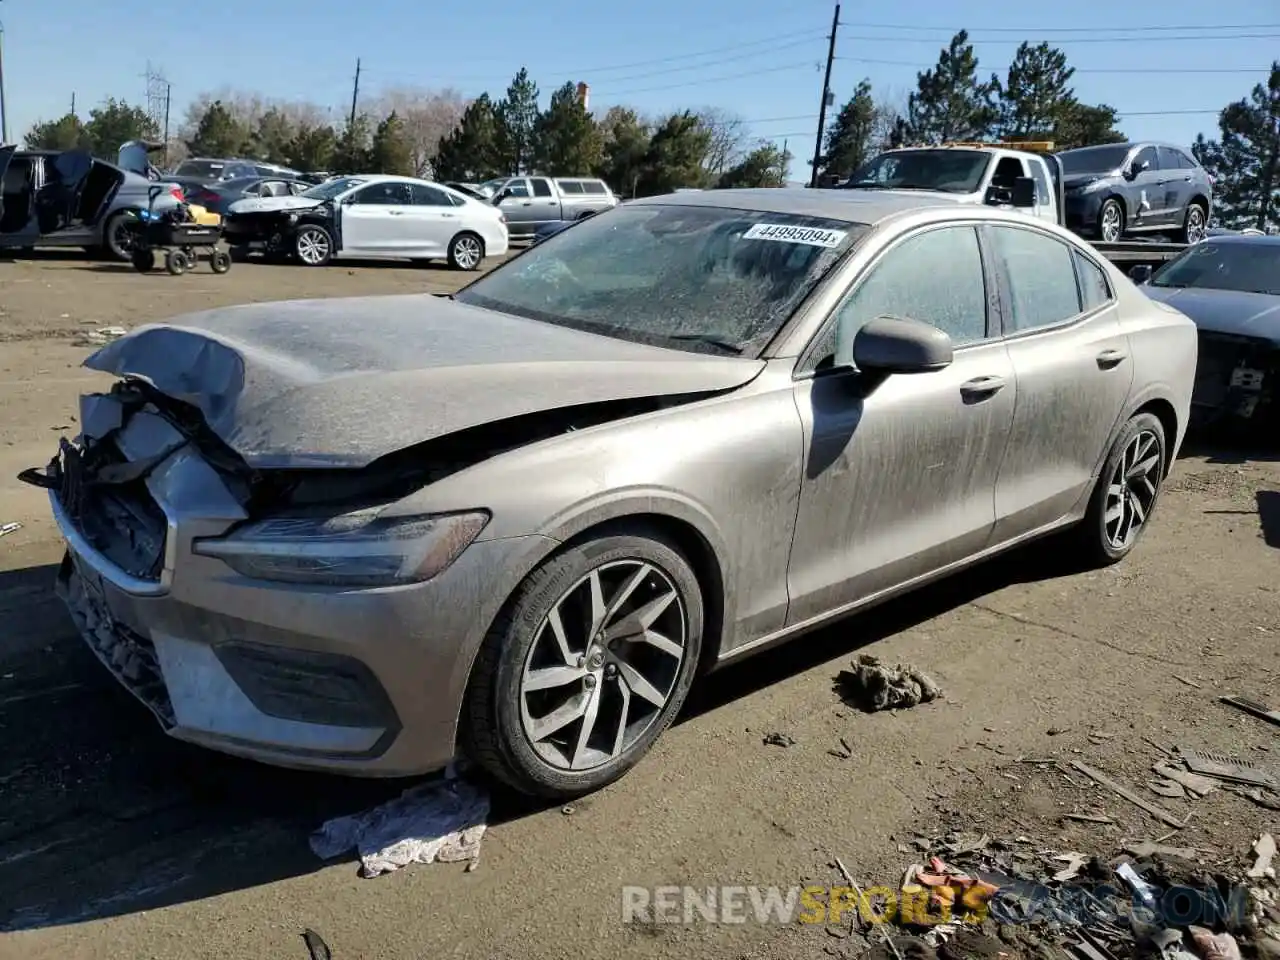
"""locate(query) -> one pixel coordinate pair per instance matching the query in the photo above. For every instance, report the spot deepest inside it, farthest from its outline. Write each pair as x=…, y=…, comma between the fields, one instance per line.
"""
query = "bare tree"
x=428, y=115
x=889, y=107
x=729, y=139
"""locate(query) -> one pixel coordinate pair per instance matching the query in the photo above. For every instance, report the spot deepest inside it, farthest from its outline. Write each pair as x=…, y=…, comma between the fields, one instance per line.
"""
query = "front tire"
x=313, y=245
x=1193, y=224
x=1111, y=221
x=1126, y=494
x=590, y=661
x=466, y=252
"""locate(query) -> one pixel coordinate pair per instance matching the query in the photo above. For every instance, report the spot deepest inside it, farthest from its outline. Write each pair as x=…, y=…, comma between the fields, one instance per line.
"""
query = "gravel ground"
x=117, y=842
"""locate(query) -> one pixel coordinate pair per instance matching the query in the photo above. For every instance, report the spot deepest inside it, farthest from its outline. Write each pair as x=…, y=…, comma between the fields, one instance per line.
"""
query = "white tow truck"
x=1022, y=174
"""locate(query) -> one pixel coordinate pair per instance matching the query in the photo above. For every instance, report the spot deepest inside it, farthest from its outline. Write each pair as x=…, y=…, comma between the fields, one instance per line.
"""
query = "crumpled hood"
x=312, y=383
x=272, y=204
x=1224, y=311
x=1081, y=180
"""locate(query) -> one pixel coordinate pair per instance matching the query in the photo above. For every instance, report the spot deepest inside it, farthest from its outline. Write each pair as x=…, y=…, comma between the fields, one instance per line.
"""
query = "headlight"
x=357, y=549
x=1093, y=186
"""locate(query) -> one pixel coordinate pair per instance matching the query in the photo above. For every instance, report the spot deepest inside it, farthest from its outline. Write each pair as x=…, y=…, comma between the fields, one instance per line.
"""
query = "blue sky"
x=1160, y=64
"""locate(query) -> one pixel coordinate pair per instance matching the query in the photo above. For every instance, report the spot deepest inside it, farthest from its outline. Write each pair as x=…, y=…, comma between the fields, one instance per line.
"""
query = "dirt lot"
x=117, y=842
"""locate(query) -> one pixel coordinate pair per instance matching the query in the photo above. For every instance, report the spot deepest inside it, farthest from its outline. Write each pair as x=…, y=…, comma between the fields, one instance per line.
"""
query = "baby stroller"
x=175, y=232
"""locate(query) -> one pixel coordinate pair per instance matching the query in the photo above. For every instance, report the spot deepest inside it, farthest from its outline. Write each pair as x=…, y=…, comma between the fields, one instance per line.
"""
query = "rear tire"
x=1126, y=494
x=1193, y=223
x=505, y=707
x=117, y=241
x=466, y=251
x=176, y=263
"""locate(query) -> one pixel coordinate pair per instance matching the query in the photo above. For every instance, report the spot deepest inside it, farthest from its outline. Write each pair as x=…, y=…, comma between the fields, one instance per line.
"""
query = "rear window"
x=200, y=169
x=569, y=186
x=594, y=186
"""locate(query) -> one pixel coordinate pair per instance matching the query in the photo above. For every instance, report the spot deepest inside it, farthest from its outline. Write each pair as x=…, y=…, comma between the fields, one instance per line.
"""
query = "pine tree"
x=218, y=134
x=65, y=133
x=1245, y=160
x=675, y=155
x=391, y=151
x=1081, y=125
x=311, y=149
x=950, y=103
x=114, y=124
x=517, y=123
x=351, y=155
x=849, y=142
x=271, y=136
x=765, y=166
x=471, y=151
x=568, y=140
x=1036, y=91
x=626, y=140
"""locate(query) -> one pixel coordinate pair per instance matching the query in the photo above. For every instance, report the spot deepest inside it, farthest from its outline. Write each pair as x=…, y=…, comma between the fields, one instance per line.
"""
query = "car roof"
x=1244, y=238
x=851, y=206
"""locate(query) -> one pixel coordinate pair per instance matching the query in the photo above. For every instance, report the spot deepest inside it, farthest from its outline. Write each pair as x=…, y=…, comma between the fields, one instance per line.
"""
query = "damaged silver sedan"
x=366, y=535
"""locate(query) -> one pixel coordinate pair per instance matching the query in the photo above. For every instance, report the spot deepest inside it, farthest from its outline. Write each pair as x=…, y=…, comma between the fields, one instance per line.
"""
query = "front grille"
x=130, y=656
x=121, y=520
x=1218, y=356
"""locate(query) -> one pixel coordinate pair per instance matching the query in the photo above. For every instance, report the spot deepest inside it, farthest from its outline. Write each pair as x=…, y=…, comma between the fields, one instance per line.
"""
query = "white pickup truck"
x=1026, y=176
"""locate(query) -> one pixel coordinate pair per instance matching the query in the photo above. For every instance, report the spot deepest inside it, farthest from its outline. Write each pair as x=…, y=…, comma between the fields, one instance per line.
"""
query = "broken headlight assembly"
x=357, y=549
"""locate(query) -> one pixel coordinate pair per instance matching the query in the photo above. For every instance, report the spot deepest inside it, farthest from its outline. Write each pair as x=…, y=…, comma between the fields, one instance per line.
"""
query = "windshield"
x=1245, y=267
x=704, y=279
x=1094, y=159
x=334, y=188
x=948, y=171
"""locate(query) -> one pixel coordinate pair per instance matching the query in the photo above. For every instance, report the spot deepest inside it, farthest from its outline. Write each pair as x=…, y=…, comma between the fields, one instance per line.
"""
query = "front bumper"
x=1236, y=379
x=1081, y=211
x=269, y=230
x=358, y=681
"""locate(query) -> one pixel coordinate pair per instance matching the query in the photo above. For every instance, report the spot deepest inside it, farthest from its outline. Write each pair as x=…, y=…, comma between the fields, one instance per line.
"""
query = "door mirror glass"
x=1023, y=194
x=901, y=345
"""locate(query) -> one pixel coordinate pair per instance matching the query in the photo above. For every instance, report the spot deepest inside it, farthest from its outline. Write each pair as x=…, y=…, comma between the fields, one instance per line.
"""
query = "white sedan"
x=375, y=216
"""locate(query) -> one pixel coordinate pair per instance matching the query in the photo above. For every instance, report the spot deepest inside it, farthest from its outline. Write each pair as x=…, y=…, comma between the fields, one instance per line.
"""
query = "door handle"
x=449, y=216
x=1108, y=359
x=527, y=203
x=980, y=388
x=396, y=213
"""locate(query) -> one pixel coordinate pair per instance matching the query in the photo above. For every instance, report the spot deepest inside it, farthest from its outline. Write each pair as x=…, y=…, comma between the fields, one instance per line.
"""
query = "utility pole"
x=73, y=103
x=826, y=99
x=4, y=110
x=355, y=97
x=785, y=160
x=168, y=101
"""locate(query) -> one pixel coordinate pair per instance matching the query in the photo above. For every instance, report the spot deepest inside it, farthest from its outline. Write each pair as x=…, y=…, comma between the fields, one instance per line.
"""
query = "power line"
x=917, y=65
x=1119, y=113
x=811, y=34
x=1144, y=40
x=1046, y=30
x=806, y=65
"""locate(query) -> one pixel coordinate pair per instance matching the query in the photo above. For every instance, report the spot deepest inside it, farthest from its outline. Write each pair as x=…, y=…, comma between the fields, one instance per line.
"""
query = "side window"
x=569, y=186
x=275, y=188
x=299, y=187
x=1008, y=169
x=1148, y=156
x=934, y=276
x=1094, y=289
x=424, y=196
x=517, y=188
x=383, y=194
x=541, y=188
x=1185, y=162
x=1041, y=276
x=1044, y=196
x=594, y=187
x=1169, y=159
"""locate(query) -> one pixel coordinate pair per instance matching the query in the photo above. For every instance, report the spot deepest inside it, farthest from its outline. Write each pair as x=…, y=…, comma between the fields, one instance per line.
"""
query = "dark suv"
x=1120, y=189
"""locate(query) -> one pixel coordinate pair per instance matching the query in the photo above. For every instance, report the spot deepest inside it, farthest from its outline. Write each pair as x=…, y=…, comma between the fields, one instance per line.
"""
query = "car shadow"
x=47, y=254
x=1239, y=447
x=1269, y=516
x=90, y=779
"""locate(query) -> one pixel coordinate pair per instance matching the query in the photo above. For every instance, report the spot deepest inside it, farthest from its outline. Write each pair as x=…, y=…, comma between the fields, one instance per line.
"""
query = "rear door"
x=1072, y=368
x=432, y=219
x=58, y=201
x=1176, y=183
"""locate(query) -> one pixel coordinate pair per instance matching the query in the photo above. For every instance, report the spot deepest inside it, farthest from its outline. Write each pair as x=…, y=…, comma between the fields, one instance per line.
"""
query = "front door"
x=546, y=203
x=899, y=477
x=1073, y=370
x=521, y=214
x=1147, y=203
x=375, y=220
x=1176, y=183
x=434, y=220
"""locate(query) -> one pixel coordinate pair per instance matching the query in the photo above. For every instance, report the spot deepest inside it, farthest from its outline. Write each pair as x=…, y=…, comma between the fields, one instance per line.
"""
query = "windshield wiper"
x=711, y=340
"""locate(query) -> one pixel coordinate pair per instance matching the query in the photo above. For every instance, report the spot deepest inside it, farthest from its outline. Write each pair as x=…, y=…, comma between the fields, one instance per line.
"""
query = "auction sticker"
x=813, y=236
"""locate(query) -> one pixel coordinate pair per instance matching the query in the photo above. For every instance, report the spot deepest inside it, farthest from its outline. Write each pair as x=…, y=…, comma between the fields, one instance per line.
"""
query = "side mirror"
x=998, y=195
x=897, y=345
x=503, y=195
x=1024, y=192
x=1131, y=172
x=1141, y=273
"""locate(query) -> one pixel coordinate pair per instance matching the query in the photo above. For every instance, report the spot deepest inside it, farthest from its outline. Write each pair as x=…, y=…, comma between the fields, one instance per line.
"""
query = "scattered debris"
x=872, y=685
x=1145, y=849
x=1261, y=711
x=316, y=946
x=1088, y=817
x=1074, y=863
x=567, y=809
x=1214, y=946
x=7, y=528
x=103, y=335
x=1200, y=786
x=1265, y=848
x=440, y=820
x=1259, y=796
x=1103, y=780
x=1189, y=683
x=1222, y=767
x=778, y=740
x=1167, y=788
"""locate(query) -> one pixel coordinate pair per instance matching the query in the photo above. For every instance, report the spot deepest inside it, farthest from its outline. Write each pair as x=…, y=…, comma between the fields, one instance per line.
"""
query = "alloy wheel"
x=466, y=252
x=1132, y=491
x=313, y=247
x=1112, y=224
x=1195, y=224
x=603, y=665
